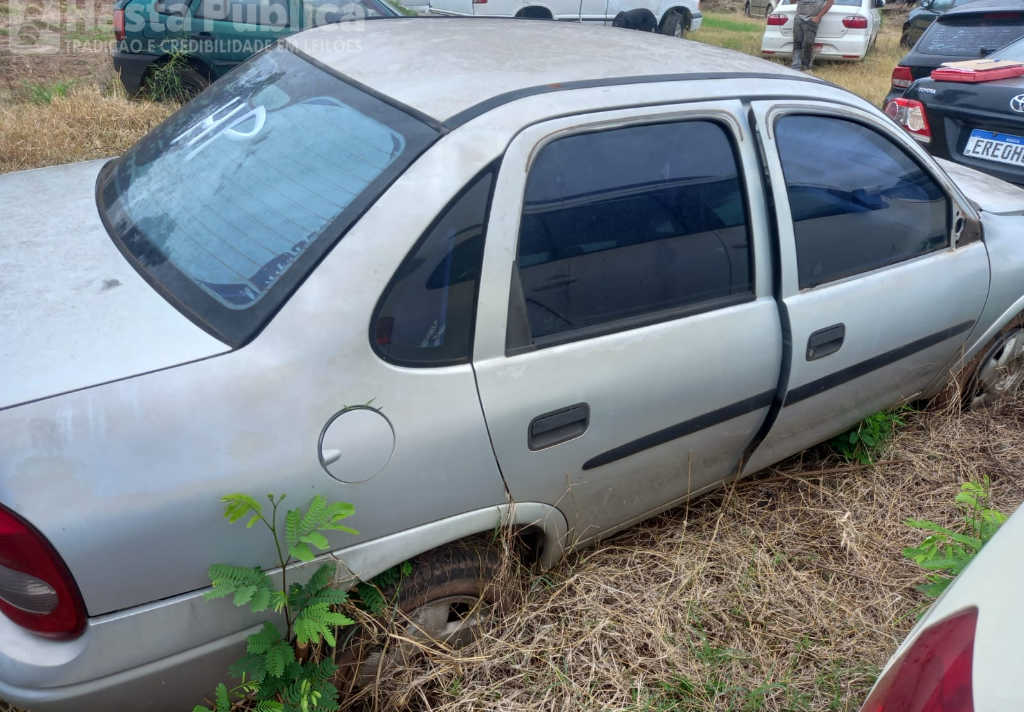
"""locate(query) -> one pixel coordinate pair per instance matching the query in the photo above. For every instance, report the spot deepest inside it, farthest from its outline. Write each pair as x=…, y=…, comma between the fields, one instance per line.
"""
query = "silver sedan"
x=556, y=278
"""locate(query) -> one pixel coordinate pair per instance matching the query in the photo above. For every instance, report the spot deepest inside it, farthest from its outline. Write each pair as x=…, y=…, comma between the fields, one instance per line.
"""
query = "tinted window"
x=968, y=35
x=631, y=222
x=230, y=201
x=271, y=13
x=858, y=201
x=426, y=316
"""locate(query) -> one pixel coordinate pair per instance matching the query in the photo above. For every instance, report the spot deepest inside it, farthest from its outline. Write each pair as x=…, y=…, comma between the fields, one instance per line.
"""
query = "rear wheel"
x=452, y=595
x=905, y=40
x=768, y=10
x=746, y=9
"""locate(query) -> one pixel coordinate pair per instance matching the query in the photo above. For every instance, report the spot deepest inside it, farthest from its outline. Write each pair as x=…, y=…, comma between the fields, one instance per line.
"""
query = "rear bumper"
x=843, y=49
x=160, y=657
x=131, y=68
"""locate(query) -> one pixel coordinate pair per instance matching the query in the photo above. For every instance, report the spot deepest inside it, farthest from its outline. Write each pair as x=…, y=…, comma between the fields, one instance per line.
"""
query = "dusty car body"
x=448, y=348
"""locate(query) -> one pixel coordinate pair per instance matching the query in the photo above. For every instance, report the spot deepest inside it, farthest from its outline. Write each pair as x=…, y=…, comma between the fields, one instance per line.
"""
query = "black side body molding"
x=873, y=364
x=679, y=430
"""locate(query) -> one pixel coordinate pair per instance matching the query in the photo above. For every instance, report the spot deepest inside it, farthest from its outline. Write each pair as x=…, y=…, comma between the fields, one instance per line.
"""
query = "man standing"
x=808, y=17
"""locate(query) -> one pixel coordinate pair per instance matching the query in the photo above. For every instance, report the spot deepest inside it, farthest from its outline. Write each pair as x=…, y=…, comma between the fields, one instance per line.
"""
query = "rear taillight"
x=778, y=19
x=36, y=588
x=855, y=22
x=118, y=25
x=901, y=77
x=934, y=674
x=910, y=114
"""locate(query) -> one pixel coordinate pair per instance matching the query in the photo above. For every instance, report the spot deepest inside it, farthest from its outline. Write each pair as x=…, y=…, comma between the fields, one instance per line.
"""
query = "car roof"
x=452, y=69
x=975, y=6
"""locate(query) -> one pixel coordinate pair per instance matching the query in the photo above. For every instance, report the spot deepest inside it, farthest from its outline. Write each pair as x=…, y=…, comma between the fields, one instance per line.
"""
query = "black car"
x=924, y=15
x=978, y=125
x=971, y=31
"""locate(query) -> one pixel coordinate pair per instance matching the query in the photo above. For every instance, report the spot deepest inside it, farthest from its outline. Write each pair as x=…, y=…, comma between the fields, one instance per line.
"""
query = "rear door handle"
x=558, y=426
x=825, y=342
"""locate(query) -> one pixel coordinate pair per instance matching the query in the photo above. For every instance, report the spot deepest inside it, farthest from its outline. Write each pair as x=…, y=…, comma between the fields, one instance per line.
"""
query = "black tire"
x=746, y=9
x=193, y=83
x=674, y=24
x=464, y=578
x=905, y=40
x=768, y=9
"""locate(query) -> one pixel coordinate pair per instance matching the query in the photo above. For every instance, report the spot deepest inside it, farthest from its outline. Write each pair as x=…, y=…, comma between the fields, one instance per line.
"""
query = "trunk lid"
x=74, y=312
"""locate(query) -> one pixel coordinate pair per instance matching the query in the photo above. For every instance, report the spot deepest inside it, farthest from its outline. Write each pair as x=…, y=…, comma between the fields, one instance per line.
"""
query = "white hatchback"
x=847, y=31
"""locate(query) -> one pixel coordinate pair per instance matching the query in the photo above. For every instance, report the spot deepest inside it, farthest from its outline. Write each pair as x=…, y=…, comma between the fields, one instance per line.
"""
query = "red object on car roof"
x=978, y=70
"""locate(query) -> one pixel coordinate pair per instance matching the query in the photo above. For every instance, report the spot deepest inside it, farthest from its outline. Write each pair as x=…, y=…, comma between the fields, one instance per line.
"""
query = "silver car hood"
x=984, y=191
x=73, y=312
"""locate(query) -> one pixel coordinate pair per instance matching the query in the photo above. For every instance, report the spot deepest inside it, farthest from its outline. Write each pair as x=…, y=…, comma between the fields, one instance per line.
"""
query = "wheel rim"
x=1002, y=372
x=680, y=30
x=453, y=621
x=746, y=9
x=768, y=10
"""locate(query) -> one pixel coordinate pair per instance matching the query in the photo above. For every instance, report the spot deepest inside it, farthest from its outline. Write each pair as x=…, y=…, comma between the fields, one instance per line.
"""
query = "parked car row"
x=979, y=124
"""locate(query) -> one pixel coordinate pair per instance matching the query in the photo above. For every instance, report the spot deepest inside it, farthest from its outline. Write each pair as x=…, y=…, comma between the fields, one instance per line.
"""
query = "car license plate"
x=818, y=46
x=992, y=146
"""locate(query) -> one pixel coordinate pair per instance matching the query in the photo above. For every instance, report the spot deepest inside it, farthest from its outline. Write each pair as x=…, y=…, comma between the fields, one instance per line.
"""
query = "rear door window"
x=631, y=226
x=971, y=35
x=230, y=202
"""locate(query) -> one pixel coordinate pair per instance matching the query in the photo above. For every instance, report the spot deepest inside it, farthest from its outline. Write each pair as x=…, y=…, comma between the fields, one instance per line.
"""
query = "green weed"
x=948, y=552
x=275, y=674
x=43, y=94
x=863, y=442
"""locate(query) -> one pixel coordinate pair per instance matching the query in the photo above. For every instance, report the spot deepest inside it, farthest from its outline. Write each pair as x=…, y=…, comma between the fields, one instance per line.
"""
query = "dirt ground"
x=50, y=41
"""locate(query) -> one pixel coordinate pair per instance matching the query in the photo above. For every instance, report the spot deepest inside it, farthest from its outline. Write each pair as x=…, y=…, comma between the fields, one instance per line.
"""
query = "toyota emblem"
x=1017, y=103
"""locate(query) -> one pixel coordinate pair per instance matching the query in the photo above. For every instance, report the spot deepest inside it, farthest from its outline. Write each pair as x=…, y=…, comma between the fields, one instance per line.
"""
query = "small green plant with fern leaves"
x=948, y=552
x=275, y=672
x=862, y=443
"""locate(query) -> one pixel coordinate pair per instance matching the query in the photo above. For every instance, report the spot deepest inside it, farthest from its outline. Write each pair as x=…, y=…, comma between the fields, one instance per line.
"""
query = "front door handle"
x=825, y=342
x=558, y=426
x=202, y=35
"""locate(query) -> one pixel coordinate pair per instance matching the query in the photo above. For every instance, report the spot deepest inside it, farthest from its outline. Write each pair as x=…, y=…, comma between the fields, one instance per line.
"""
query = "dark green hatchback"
x=194, y=42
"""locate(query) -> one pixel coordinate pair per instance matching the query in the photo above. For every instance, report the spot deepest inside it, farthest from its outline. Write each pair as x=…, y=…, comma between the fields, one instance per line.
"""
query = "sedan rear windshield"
x=973, y=35
x=227, y=205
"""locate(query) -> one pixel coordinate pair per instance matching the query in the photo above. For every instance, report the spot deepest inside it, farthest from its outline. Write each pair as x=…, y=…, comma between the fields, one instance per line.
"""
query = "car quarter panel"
x=125, y=478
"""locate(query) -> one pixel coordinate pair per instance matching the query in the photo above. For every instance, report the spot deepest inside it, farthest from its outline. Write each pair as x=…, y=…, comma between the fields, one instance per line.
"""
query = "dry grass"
x=784, y=592
x=869, y=79
x=85, y=124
